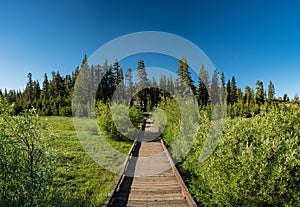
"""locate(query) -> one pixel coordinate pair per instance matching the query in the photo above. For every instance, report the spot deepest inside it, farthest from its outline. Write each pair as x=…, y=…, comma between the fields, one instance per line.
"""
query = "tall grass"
x=78, y=176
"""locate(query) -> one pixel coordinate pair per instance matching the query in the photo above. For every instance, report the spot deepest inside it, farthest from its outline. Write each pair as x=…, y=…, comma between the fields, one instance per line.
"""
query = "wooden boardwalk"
x=149, y=177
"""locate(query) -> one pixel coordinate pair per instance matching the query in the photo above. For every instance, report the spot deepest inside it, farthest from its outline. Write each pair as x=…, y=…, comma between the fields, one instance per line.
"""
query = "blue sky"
x=252, y=40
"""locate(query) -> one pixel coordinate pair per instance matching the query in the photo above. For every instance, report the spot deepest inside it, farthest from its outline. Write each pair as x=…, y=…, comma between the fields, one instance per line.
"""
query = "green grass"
x=76, y=172
x=59, y=123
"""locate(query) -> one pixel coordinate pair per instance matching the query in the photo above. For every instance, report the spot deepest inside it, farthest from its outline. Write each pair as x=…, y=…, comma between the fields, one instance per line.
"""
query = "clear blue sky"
x=253, y=40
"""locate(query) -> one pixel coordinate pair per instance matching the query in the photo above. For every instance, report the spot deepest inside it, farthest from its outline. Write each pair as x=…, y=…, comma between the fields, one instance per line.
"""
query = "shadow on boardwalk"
x=149, y=179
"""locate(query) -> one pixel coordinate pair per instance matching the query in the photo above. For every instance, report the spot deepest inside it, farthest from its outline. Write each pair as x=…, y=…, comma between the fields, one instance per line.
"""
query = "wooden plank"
x=162, y=186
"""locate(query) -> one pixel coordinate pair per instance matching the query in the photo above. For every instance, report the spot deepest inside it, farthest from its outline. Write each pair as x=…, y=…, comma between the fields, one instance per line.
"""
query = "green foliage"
x=78, y=179
x=179, y=123
x=260, y=93
x=130, y=89
x=234, y=95
x=257, y=162
x=271, y=92
x=170, y=119
x=27, y=173
x=143, y=86
x=203, y=95
x=215, y=88
x=136, y=117
x=105, y=120
x=122, y=115
x=56, y=94
x=185, y=82
x=26, y=164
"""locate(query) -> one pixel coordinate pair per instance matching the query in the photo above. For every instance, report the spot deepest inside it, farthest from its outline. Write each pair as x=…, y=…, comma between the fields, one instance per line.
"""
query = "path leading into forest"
x=149, y=177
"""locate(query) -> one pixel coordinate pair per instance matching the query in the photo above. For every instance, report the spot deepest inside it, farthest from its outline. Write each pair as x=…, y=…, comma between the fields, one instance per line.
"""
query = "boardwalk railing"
x=163, y=189
x=184, y=189
x=122, y=172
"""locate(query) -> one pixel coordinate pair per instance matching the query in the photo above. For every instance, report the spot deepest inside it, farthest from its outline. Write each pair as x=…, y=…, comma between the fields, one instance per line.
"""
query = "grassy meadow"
x=78, y=175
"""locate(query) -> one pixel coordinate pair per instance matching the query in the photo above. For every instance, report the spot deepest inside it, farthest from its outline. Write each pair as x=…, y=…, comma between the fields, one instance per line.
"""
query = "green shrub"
x=172, y=119
x=181, y=124
x=256, y=163
x=122, y=116
x=25, y=164
x=136, y=117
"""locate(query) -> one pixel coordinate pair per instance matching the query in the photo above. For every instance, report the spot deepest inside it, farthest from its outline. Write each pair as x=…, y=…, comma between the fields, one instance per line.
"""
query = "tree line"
x=54, y=96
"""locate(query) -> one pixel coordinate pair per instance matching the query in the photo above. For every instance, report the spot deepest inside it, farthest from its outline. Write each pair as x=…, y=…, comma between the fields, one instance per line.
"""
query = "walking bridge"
x=149, y=176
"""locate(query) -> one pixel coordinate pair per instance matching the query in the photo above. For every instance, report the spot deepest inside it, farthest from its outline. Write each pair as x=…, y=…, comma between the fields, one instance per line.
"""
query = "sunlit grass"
x=76, y=171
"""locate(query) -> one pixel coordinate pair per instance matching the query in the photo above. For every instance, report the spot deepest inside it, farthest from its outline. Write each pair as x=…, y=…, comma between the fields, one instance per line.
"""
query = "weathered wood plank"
x=149, y=178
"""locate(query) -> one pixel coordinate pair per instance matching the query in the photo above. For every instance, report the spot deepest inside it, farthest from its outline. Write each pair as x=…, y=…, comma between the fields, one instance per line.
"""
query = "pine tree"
x=108, y=83
x=249, y=96
x=118, y=82
x=81, y=93
x=143, y=81
x=260, y=94
x=163, y=86
x=68, y=82
x=228, y=93
x=121, y=85
x=271, y=92
x=45, y=90
x=29, y=91
x=36, y=90
x=75, y=74
x=98, y=74
x=143, y=84
x=129, y=85
x=163, y=83
x=286, y=98
x=203, y=86
x=170, y=85
x=116, y=72
x=57, y=85
x=223, y=80
x=234, y=95
x=5, y=94
x=240, y=95
x=154, y=93
x=36, y=95
x=214, y=90
x=296, y=99
x=184, y=77
x=222, y=90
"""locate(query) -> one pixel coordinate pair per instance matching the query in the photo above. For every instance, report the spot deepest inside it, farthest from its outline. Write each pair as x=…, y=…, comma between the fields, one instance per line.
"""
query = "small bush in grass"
x=122, y=114
x=26, y=164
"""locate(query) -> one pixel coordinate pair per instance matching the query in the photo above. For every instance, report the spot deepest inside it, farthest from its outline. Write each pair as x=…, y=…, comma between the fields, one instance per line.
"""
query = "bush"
x=136, y=117
x=122, y=118
x=257, y=162
x=25, y=164
x=180, y=123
